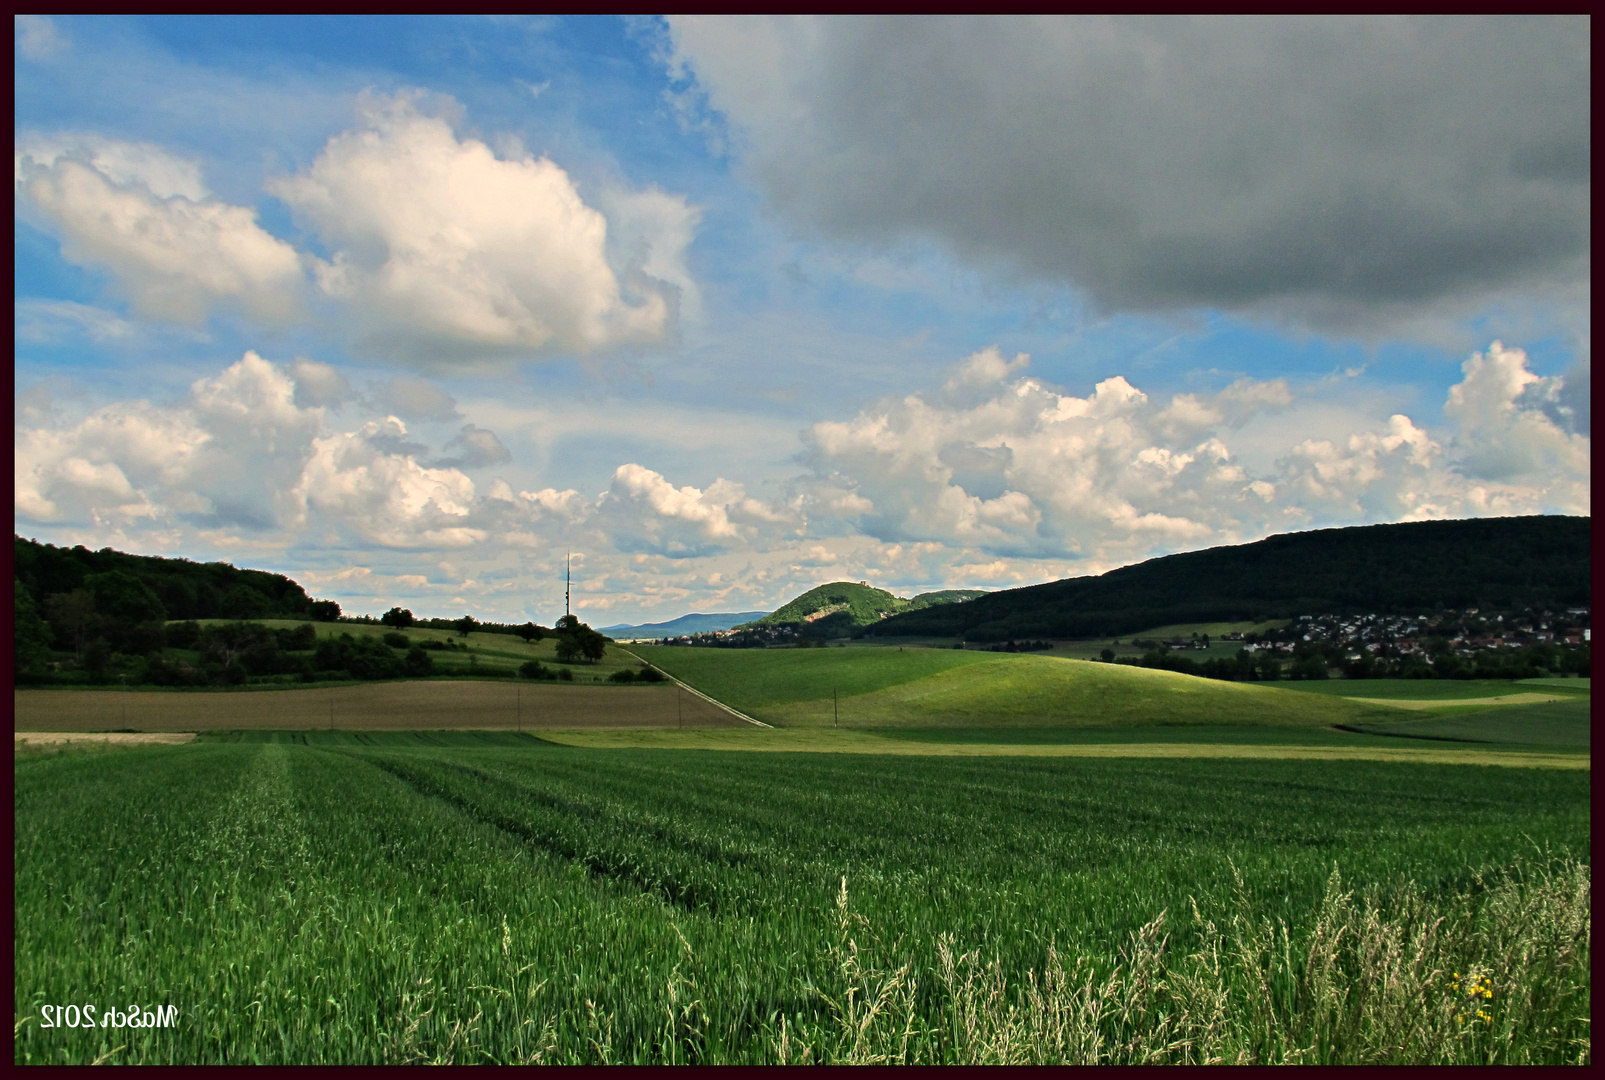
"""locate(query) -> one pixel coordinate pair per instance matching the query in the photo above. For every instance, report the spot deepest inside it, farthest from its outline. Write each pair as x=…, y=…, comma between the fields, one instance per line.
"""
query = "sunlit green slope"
x=888, y=687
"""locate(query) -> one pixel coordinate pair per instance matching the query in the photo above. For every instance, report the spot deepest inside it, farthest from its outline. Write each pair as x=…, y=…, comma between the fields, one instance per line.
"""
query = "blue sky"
x=409, y=308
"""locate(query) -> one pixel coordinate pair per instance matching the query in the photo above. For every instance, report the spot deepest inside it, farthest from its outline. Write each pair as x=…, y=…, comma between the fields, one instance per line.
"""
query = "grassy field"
x=1563, y=723
x=401, y=705
x=1099, y=743
x=1440, y=690
x=1552, y=713
x=490, y=897
x=923, y=687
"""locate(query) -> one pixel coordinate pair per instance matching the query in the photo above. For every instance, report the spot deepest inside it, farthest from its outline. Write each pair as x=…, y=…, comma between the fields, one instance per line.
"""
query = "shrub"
x=623, y=675
x=398, y=641
x=300, y=639
x=184, y=635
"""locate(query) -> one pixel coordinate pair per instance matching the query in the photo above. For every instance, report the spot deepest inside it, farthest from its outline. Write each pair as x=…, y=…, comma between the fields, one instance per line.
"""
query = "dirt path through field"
x=119, y=738
x=688, y=688
x=502, y=705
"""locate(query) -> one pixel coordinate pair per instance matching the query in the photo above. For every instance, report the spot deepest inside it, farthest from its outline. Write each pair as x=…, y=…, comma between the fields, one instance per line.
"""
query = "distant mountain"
x=685, y=624
x=846, y=605
x=1408, y=568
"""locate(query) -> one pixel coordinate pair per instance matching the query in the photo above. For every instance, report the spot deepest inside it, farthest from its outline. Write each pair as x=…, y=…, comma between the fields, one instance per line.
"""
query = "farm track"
x=109, y=738
x=686, y=686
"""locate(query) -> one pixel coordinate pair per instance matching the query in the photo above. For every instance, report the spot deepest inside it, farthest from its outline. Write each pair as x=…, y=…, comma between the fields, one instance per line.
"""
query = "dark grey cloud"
x=1575, y=399
x=476, y=447
x=415, y=399
x=1339, y=171
x=318, y=384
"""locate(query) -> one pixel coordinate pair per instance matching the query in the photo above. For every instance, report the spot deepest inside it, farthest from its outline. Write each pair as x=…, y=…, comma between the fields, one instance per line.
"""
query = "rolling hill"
x=1407, y=568
x=892, y=688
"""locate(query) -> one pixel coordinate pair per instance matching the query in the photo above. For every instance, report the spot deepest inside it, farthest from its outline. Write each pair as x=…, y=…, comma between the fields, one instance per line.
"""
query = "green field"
x=472, y=897
x=1444, y=690
x=1552, y=713
x=889, y=687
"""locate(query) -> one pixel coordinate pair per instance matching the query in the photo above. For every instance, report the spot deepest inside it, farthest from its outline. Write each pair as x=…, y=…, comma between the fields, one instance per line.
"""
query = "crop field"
x=499, y=704
x=889, y=687
x=1134, y=743
x=489, y=896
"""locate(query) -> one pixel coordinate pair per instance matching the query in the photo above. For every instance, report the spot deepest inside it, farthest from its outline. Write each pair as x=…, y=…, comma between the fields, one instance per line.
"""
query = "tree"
x=530, y=632
x=1107, y=655
x=32, y=634
x=399, y=617
x=70, y=615
x=97, y=657
x=575, y=639
x=325, y=611
x=124, y=597
x=467, y=625
x=245, y=602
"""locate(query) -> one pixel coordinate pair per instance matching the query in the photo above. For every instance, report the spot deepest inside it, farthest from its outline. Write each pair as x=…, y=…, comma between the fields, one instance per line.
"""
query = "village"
x=1464, y=633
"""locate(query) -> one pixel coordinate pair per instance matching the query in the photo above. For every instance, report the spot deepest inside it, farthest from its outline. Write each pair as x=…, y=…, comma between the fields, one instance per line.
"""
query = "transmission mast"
x=568, y=578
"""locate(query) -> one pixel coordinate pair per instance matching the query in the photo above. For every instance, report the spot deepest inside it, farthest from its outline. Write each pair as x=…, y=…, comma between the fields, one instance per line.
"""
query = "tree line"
x=120, y=617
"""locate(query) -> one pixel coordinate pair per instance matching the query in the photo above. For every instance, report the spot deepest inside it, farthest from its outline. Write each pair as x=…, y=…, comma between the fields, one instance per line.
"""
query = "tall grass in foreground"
x=1496, y=976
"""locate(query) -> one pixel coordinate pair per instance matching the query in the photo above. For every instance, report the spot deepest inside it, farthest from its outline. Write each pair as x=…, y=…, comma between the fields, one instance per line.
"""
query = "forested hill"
x=179, y=588
x=1407, y=568
x=849, y=605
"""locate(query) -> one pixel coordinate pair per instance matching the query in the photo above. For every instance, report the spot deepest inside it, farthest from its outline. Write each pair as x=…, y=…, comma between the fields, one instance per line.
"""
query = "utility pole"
x=518, y=703
x=679, y=705
x=331, y=710
x=835, y=707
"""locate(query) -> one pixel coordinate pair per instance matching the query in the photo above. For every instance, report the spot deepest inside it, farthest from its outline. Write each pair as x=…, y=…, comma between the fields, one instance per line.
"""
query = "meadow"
x=492, y=897
x=1532, y=712
x=890, y=686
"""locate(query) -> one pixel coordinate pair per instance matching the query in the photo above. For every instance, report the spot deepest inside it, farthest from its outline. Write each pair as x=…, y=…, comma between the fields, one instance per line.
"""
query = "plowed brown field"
x=392, y=706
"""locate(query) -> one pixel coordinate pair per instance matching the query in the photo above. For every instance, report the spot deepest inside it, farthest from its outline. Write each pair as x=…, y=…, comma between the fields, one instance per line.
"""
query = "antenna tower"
x=568, y=578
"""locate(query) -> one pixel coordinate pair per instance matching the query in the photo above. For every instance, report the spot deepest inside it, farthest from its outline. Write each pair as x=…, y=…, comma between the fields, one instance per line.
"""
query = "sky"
x=413, y=309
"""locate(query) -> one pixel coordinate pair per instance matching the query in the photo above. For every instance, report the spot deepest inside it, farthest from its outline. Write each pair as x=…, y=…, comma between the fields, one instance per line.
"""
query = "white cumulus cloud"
x=388, y=497
x=1002, y=462
x=643, y=512
x=145, y=216
x=445, y=249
